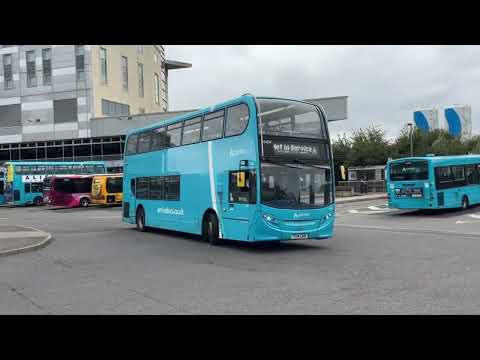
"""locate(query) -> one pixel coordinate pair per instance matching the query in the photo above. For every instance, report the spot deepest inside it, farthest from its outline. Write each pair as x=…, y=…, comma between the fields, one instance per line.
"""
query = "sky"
x=384, y=84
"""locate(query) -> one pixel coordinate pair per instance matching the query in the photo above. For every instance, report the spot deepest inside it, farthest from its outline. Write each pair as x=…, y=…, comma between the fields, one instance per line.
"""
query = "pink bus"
x=68, y=190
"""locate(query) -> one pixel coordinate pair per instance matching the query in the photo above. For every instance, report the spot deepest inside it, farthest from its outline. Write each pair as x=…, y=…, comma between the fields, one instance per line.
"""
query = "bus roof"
x=192, y=114
x=110, y=175
x=93, y=162
x=202, y=111
x=86, y=176
x=453, y=159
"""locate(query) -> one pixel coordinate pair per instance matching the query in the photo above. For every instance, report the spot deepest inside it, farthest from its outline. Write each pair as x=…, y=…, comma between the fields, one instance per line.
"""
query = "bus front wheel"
x=38, y=201
x=140, y=219
x=465, y=203
x=211, y=230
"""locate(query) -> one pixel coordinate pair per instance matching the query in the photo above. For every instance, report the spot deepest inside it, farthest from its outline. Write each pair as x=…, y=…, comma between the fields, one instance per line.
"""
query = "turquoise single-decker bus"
x=249, y=169
x=24, y=180
x=434, y=182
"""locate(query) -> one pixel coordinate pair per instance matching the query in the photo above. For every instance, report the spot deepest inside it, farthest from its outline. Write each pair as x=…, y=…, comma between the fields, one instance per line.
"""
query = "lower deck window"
x=156, y=187
x=172, y=188
x=33, y=188
x=447, y=177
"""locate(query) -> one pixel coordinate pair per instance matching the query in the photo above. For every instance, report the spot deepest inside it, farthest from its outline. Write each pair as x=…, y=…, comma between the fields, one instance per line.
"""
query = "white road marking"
x=373, y=210
x=473, y=216
x=464, y=221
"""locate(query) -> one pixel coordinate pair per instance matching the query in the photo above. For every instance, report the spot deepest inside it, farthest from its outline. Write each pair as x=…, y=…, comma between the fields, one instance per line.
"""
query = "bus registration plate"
x=299, y=236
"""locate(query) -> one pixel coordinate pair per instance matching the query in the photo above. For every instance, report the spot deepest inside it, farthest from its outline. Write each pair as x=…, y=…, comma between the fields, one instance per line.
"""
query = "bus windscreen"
x=410, y=170
x=114, y=185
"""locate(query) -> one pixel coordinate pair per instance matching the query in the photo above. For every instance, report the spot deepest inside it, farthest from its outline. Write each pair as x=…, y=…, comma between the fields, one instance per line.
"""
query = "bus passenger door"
x=129, y=198
x=239, y=203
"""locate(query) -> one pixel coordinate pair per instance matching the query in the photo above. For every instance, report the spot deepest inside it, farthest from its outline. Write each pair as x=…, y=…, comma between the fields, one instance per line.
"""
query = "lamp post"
x=410, y=125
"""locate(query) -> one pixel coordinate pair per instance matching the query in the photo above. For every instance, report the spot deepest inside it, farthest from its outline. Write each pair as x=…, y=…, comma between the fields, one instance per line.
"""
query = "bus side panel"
x=473, y=193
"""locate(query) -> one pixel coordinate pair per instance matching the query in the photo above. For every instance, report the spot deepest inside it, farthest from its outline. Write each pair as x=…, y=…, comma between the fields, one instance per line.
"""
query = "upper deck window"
x=144, y=141
x=158, y=138
x=237, y=119
x=132, y=145
x=213, y=125
x=191, y=131
x=174, y=135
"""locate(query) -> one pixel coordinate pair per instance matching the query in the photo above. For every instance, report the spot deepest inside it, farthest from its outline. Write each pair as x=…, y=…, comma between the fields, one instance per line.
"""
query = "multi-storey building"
x=49, y=94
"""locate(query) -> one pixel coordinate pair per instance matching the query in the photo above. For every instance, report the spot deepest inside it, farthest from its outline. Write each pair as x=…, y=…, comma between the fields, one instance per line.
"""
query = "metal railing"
x=372, y=186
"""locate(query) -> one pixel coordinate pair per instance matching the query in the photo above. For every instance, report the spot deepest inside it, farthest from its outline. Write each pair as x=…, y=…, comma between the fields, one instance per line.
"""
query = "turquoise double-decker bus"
x=434, y=182
x=24, y=179
x=249, y=169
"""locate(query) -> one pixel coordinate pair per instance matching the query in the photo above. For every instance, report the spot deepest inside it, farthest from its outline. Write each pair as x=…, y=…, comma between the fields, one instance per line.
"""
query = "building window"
x=140, y=80
x=164, y=91
x=125, y=72
x=65, y=111
x=7, y=71
x=31, y=69
x=157, y=88
x=80, y=62
x=140, y=49
x=113, y=108
x=103, y=65
x=155, y=57
x=47, y=66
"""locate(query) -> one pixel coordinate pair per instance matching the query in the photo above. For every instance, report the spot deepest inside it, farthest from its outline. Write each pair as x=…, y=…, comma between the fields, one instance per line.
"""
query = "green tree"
x=369, y=147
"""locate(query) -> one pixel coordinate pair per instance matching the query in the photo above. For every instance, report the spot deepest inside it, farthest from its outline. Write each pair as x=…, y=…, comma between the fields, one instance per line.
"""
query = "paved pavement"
x=379, y=262
x=358, y=198
x=17, y=239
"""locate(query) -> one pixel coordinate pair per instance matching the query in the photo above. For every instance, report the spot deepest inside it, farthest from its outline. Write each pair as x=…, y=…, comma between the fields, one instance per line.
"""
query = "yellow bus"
x=107, y=189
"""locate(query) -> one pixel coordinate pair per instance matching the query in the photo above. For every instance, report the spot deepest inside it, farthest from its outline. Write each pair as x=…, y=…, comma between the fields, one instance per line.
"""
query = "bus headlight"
x=269, y=218
x=327, y=217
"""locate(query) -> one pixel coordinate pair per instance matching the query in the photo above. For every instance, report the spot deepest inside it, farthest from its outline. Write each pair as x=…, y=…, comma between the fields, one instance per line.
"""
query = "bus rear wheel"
x=211, y=230
x=84, y=202
x=140, y=220
x=465, y=203
x=38, y=201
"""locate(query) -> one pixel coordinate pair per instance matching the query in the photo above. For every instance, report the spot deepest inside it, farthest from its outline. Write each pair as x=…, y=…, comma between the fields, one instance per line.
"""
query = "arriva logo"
x=299, y=215
x=237, y=152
